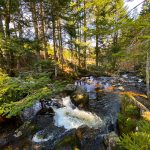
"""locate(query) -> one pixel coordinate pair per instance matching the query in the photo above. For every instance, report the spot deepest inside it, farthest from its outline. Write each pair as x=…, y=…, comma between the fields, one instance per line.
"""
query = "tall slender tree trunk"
x=78, y=45
x=148, y=75
x=11, y=57
x=79, y=37
x=54, y=45
x=71, y=44
x=35, y=24
x=1, y=26
x=43, y=25
x=60, y=43
x=2, y=34
x=97, y=47
x=85, y=35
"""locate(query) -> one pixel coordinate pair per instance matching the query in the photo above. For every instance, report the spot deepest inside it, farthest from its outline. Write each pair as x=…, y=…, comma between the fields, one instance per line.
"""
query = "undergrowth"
x=18, y=93
x=134, y=130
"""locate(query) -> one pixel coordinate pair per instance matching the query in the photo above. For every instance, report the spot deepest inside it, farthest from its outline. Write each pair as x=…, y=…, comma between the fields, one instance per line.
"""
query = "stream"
x=59, y=124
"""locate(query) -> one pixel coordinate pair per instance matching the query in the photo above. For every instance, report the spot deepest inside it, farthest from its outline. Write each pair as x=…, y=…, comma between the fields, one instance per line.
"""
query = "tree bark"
x=43, y=34
x=35, y=24
x=1, y=25
x=147, y=75
x=54, y=45
x=10, y=54
x=2, y=34
x=60, y=43
x=79, y=38
x=85, y=35
x=97, y=47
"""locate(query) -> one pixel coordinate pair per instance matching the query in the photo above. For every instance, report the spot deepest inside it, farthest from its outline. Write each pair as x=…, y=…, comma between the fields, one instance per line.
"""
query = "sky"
x=134, y=3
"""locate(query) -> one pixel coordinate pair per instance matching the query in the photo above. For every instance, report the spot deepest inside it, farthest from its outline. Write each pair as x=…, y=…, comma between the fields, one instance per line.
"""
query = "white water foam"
x=69, y=118
x=38, y=137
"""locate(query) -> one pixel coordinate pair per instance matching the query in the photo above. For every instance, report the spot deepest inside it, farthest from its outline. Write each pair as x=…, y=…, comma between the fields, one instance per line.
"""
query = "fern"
x=16, y=94
x=135, y=141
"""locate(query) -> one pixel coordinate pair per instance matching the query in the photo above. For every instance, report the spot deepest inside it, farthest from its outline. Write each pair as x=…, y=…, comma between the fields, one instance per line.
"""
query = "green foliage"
x=44, y=65
x=132, y=111
x=17, y=94
x=14, y=108
x=135, y=133
x=16, y=88
x=97, y=70
x=137, y=140
x=128, y=118
x=126, y=124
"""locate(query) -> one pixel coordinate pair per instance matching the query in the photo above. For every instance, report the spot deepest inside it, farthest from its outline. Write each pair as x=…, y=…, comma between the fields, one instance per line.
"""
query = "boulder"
x=90, y=139
x=70, y=88
x=80, y=97
x=29, y=113
x=24, y=130
x=111, y=140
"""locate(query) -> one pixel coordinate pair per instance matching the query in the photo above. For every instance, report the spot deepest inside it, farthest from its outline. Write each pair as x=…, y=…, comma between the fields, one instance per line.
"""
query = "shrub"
x=17, y=94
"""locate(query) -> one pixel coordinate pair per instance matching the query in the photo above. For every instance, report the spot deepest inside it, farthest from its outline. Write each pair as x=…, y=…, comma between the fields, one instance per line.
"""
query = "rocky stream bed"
x=84, y=117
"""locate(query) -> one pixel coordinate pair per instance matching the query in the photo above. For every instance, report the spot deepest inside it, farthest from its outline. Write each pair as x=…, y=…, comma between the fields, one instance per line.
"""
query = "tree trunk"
x=43, y=36
x=147, y=75
x=79, y=37
x=35, y=24
x=60, y=43
x=1, y=25
x=54, y=45
x=97, y=48
x=10, y=55
x=71, y=44
x=2, y=34
x=85, y=35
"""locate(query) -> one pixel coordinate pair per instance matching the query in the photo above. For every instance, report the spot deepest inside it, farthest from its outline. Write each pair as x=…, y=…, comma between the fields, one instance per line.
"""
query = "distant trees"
x=66, y=22
x=135, y=42
x=27, y=28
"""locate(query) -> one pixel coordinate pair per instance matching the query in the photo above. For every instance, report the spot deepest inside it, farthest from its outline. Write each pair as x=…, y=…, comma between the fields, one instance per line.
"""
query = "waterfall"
x=70, y=116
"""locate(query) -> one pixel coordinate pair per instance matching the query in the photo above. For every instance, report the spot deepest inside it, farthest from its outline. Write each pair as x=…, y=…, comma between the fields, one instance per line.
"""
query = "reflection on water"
x=93, y=85
x=108, y=84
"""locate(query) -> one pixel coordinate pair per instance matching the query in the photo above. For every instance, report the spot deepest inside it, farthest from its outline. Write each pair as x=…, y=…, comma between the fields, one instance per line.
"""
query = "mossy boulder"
x=80, y=98
x=70, y=88
x=111, y=140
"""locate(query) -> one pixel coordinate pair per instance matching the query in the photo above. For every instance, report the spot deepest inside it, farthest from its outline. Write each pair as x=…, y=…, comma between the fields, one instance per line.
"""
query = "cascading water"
x=71, y=117
x=45, y=128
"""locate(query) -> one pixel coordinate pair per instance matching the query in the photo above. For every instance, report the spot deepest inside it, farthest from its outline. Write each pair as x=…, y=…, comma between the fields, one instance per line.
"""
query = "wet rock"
x=29, y=113
x=46, y=111
x=111, y=140
x=18, y=134
x=70, y=88
x=24, y=130
x=7, y=130
x=80, y=98
x=42, y=136
x=4, y=141
x=67, y=141
x=89, y=139
x=50, y=137
x=43, y=121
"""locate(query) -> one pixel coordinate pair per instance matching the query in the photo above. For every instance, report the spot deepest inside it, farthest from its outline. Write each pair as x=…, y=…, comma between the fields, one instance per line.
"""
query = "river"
x=59, y=124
